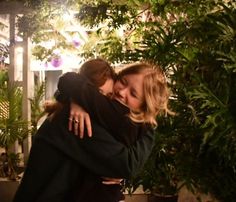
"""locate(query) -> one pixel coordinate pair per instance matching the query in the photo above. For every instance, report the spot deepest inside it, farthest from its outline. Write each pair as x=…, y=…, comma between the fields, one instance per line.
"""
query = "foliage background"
x=194, y=41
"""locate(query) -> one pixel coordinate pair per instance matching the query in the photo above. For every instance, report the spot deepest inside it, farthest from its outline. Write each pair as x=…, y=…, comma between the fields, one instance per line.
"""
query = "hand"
x=110, y=181
x=49, y=106
x=78, y=118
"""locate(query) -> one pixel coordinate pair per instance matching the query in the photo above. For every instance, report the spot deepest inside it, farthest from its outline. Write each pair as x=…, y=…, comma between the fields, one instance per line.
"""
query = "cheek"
x=107, y=88
x=110, y=90
x=110, y=86
x=133, y=104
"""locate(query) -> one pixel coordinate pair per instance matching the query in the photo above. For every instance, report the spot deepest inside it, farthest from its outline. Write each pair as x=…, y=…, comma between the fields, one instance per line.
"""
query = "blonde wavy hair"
x=156, y=92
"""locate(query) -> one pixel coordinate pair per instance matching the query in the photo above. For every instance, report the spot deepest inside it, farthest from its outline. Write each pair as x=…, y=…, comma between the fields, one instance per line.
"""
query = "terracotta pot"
x=159, y=198
x=7, y=190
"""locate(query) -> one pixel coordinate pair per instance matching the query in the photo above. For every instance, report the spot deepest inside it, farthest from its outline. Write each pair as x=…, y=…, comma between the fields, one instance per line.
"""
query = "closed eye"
x=134, y=93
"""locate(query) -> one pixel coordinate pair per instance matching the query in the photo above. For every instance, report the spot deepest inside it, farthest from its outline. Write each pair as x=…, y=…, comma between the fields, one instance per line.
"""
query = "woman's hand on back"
x=111, y=181
x=78, y=120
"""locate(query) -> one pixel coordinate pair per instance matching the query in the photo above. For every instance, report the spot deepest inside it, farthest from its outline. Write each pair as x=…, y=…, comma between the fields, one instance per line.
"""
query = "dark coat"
x=108, y=113
x=59, y=161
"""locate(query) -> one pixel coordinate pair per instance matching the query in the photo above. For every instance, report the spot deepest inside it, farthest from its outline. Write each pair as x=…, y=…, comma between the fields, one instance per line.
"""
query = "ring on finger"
x=76, y=121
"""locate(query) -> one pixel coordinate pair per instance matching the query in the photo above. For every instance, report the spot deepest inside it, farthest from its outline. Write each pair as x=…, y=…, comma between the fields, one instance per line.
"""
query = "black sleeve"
x=48, y=173
x=101, y=154
x=110, y=114
x=58, y=158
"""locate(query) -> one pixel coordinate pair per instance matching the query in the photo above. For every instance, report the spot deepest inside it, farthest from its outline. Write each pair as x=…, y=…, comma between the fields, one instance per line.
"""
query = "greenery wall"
x=12, y=125
x=194, y=41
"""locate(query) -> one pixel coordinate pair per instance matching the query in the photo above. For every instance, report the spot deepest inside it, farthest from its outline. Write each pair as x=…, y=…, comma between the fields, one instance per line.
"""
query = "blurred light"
x=68, y=16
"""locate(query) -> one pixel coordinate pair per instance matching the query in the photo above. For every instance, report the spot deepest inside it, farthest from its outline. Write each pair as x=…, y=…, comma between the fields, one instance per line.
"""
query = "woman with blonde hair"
x=140, y=94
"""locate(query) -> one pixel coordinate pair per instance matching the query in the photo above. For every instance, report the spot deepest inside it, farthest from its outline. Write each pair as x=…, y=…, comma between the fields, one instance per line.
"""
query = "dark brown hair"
x=96, y=70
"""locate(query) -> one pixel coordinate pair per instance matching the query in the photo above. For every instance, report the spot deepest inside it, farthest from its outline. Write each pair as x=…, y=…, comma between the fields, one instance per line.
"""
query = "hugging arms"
x=58, y=158
x=102, y=154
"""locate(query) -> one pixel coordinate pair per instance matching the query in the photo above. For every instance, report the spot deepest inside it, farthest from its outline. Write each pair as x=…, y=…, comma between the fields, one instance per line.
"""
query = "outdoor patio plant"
x=195, y=44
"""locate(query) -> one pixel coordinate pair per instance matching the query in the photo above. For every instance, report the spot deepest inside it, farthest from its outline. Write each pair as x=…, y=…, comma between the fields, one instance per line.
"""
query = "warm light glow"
x=68, y=16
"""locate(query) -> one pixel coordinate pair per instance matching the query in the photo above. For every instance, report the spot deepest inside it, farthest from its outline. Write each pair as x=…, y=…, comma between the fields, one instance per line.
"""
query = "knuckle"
x=77, y=113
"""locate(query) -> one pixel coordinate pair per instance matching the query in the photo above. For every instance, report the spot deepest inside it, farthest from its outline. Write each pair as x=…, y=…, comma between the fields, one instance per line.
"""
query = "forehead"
x=135, y=83
x=133, y=78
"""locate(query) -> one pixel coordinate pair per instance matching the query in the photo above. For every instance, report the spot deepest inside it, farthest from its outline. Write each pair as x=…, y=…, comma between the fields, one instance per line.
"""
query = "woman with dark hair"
x=99, y=73
x=63, y=167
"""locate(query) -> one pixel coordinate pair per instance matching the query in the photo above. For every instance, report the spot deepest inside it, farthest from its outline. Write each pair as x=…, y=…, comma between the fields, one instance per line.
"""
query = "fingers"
x=78, y=123
x=84, y=122
x=79, y=120
x=110, y=181
x=88, y=126
x=73, y=123
x=81, y=126
x=76, y=126
x=70, y=123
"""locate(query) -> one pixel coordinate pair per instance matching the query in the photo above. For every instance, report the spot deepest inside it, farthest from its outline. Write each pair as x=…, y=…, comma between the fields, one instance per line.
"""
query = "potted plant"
x=194, y=42
x=160, y=176
x=12, y=128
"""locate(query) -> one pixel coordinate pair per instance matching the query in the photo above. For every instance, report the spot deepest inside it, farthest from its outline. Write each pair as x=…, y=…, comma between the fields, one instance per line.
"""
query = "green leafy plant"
x=12, y=126
x=160, y=173
x=194, y=43
x=36, y=106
